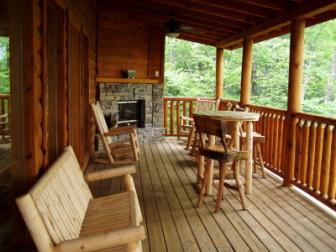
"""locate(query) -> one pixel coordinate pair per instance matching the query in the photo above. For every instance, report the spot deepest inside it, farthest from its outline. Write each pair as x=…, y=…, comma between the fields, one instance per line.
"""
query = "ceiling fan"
x=174, y=27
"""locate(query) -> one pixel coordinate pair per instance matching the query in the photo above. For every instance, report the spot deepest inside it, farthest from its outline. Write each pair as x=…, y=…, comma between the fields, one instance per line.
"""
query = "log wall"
x=126, y=42
x=29, y=85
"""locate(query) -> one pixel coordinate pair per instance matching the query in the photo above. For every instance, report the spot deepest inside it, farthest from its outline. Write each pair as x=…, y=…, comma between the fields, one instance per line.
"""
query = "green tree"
x=4, y=65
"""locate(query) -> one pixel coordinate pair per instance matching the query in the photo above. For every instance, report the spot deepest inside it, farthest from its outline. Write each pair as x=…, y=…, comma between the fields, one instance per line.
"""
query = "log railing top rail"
x=2, y=96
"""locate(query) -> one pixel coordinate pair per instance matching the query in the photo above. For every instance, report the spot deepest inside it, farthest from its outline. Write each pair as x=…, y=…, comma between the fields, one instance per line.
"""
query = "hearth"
x=131, y=113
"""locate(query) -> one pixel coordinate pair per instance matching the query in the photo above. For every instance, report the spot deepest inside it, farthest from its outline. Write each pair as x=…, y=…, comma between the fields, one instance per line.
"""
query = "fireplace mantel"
x=109, y=80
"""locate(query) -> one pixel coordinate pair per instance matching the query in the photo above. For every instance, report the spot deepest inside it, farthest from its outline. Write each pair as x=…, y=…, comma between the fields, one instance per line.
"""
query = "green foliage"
x=4, y=65
x=190, y=70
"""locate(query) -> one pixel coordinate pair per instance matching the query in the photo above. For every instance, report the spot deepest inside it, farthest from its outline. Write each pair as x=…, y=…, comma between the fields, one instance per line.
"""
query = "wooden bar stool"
x=222, y=152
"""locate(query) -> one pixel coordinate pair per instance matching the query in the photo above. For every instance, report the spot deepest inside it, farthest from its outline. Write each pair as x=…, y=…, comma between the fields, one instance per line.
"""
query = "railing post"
x=219, y=72
x=246, y=72
x=294, y=94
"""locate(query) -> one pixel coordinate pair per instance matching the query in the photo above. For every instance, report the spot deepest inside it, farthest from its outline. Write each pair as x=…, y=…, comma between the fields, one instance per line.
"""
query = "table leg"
x=208, y=189
x=249, y=146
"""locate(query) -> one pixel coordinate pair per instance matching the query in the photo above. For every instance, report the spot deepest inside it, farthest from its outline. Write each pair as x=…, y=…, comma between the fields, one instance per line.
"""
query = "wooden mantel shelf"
x=124, y=80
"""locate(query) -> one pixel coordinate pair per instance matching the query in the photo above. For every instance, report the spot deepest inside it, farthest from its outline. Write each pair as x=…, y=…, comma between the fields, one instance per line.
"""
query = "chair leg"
x=204, y=184
x=254, y=159
x=220, y=185
x=190, y=137
x=261, y=160
x=239, y=185
x=195, y=142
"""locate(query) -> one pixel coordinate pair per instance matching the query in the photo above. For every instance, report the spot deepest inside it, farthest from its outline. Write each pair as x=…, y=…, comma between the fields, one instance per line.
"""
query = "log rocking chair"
x=125, y=150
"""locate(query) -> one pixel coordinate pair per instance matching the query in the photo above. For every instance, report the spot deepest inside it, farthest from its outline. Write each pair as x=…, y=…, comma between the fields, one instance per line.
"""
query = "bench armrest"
x=103, y=240
x=110, y=173
x=121, y=130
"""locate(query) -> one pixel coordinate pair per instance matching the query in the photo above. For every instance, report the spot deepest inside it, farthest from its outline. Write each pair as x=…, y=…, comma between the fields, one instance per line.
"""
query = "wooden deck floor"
x=277, y=218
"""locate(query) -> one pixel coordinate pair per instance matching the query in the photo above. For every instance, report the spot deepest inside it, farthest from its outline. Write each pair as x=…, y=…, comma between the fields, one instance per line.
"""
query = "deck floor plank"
x=155, y=236
x=307, y=209
x=183, y=169
x=244, y=231
x=189, y=242
x=277, y=219
x=169, y=229
x=303, y=226
x=218, y=239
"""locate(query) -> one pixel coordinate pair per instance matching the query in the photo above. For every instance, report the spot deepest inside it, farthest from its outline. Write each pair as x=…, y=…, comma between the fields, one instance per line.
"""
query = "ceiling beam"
x=236, y=7
x=305, y=11
x=278, y=5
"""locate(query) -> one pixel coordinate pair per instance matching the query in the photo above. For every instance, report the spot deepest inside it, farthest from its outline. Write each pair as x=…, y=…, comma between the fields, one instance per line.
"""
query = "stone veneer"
x=111, y=93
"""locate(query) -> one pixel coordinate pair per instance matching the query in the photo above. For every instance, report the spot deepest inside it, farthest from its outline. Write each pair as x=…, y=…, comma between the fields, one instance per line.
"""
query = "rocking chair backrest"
x=102, y=128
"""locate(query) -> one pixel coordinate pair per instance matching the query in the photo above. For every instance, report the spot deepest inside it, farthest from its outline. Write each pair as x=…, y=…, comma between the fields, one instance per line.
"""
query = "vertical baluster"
x=267, y=134
x=284, y=157
x=281, y=140
x=171, y=118
x=326, y=162
x=178, y=118
x=191, y=108
x=276, y=142
x=272, y=136
x=165, y=116
x=184, y=110
x=311, y=159
x=304, y=153
x=318, y=157
x=332, y=182
x=298, y=149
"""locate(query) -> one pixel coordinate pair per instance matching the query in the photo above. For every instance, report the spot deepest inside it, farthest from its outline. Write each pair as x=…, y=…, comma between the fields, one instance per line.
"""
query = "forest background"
x=190, y=70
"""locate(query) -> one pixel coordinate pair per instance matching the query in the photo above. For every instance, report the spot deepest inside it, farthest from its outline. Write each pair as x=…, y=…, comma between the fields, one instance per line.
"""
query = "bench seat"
x=62, y=215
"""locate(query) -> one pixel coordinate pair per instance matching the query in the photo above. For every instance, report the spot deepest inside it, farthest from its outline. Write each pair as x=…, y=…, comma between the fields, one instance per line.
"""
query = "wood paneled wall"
x=29, y=84
x=126, y=42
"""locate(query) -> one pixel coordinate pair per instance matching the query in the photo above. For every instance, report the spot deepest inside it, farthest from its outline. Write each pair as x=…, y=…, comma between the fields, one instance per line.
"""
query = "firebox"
x=131, y=113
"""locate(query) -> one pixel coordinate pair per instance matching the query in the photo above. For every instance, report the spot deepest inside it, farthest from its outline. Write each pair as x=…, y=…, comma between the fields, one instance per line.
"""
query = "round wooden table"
x=238, y=118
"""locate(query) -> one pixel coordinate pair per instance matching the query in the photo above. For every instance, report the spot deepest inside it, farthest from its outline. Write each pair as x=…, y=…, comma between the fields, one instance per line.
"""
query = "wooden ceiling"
x=225, y=23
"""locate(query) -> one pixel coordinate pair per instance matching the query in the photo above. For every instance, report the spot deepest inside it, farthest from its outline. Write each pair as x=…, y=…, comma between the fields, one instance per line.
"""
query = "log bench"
x=62, y=215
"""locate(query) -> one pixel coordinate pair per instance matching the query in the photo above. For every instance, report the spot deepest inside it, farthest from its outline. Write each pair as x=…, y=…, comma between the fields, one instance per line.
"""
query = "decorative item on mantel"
x=129, y=73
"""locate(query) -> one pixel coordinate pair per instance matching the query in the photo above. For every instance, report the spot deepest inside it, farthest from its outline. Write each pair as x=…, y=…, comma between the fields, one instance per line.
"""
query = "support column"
x=294, y=94
x=246, y=72
x=219, y=72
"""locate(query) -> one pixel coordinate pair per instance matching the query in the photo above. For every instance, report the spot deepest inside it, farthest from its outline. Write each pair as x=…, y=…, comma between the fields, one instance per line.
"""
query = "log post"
x=219, y=72
x=246, y=72
x=294, y=93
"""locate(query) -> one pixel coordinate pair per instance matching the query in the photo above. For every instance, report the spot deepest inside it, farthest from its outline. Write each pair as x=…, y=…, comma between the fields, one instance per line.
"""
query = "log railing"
x=315, y=144
x=4, y=103
x=173, y=107
x=272, y=125
x=315, y=156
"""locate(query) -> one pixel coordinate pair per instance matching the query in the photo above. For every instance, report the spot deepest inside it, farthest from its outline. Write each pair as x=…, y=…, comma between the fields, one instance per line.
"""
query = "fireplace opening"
x=131, y=113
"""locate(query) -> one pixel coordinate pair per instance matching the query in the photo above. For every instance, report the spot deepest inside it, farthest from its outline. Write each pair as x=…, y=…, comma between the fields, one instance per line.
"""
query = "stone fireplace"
x=130, y=99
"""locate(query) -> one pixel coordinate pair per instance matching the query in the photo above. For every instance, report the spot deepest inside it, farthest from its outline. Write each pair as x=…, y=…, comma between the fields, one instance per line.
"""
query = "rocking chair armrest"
x=110, y=173
x=103, y=240
x=121, y=130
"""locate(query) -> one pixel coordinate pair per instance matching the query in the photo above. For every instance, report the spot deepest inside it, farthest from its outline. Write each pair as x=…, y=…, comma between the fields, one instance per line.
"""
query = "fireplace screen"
x=131, y=113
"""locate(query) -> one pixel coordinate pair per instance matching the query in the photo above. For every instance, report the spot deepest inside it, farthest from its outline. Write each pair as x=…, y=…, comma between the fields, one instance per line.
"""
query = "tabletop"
x=229, y=115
